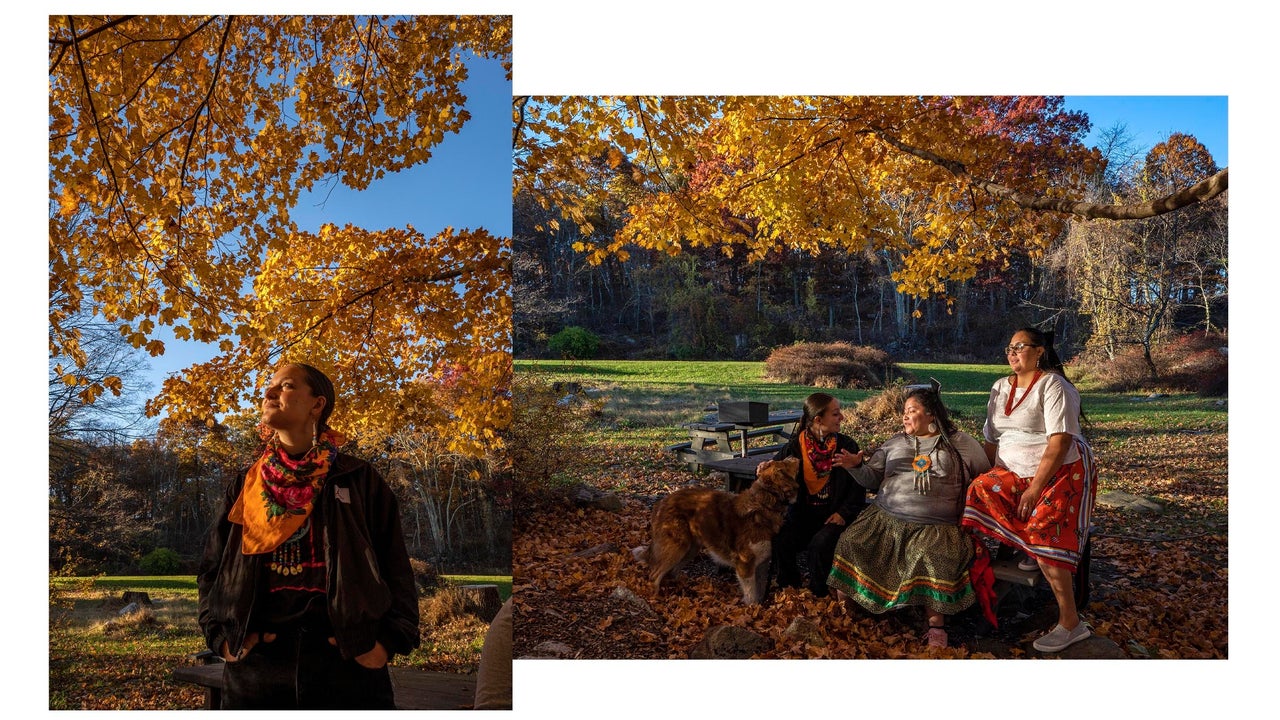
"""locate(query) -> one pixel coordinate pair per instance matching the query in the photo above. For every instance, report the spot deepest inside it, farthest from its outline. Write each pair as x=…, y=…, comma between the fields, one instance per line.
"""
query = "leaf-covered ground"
x=1158, y=590
x=98, y=661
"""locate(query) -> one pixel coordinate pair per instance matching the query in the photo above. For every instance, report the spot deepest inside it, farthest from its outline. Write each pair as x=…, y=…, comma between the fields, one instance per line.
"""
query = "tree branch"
x=204, y=105
x=520, y=103
x=367, y=293
x=1201, y=191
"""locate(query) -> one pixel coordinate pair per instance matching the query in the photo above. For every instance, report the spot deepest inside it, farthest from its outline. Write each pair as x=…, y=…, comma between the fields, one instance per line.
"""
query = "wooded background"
x=824, y=225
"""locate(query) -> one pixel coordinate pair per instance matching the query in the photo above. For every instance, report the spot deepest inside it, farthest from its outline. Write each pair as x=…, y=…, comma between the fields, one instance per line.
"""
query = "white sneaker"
x=1060, y=638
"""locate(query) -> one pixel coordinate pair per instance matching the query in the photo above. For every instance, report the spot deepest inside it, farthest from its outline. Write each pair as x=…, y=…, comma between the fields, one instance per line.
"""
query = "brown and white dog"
x=736, y=530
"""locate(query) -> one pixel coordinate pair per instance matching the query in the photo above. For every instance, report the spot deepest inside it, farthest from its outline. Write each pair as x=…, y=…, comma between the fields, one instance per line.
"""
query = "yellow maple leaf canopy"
x=178, y=148
x=944, y=183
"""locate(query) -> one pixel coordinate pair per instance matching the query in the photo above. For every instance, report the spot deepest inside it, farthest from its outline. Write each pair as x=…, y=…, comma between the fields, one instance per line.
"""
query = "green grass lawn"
x=502, y=581
x=647, y=401
x=187, y=583
x=139, y=583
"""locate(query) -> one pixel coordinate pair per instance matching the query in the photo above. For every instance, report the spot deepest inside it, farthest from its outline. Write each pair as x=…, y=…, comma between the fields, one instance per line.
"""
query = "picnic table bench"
x=1009, y=576
x=741, y=470
x=414, y=689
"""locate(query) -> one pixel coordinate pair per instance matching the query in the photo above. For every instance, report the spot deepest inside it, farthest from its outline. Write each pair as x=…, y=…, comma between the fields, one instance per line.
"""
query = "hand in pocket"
x=249, y=641
x=374, y=659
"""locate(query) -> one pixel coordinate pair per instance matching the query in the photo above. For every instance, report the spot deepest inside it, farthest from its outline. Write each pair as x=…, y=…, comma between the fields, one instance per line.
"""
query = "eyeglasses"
x=1017, y=349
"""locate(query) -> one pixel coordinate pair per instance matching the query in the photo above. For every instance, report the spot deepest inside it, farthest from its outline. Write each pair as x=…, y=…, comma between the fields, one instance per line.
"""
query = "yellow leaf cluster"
x=179, y=146
x=753, y=174
x=413, y=330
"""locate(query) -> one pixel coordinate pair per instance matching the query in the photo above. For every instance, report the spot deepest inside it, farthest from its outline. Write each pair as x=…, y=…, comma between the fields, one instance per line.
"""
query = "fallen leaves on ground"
x=1158, y=582
x=95, y=667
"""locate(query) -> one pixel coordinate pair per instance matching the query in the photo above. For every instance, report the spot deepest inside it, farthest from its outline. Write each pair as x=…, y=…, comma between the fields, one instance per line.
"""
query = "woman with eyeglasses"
x=1039, y=493
x=907, y=548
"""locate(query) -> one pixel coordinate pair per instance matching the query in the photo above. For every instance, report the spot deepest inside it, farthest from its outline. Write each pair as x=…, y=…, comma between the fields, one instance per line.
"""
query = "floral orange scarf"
x=279, y=493
x=818, y=456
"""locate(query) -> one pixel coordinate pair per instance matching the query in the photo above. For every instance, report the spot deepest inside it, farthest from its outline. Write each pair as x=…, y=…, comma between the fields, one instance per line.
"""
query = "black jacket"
x=371, y=593
x=847, y=497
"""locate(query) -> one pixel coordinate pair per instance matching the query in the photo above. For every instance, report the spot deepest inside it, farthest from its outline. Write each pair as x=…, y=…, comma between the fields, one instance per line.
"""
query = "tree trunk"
x=483, y=601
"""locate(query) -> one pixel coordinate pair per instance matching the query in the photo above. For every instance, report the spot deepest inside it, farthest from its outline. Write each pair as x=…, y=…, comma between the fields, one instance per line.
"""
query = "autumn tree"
x=108, y=362
x=179, y=147
x=1136, y=279
x=943, y=185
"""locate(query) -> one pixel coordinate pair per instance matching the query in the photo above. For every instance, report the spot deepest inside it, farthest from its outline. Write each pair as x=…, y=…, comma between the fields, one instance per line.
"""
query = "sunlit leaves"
x=750, y=174
x=178, y=149
x=374, y=310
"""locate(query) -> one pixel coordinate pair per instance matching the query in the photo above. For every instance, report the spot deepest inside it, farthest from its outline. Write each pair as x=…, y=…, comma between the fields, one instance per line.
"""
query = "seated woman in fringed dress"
x=907, y=549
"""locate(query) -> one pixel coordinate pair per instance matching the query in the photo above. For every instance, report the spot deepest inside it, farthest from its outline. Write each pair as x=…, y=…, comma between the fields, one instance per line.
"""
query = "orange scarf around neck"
x=817, y=458
x=279, y=493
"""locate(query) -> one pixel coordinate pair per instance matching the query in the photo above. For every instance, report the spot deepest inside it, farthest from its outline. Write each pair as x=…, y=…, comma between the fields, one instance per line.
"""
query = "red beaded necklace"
x=1009, y=407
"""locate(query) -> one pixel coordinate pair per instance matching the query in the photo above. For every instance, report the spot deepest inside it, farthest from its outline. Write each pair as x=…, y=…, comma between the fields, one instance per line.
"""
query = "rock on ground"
x=803, y=628
x=726, y=642
x=1132, y=503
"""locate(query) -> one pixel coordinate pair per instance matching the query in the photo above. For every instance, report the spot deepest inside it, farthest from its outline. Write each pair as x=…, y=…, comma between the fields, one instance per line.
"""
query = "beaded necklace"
x=922, y=463
x=1009, y=407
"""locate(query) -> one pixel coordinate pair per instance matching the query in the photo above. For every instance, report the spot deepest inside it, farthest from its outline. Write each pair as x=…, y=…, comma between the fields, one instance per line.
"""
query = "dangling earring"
x=933, y=427
x=315, y=433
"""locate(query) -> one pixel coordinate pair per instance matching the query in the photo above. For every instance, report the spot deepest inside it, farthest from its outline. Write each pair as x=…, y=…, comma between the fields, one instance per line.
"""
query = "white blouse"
x=1053, y=406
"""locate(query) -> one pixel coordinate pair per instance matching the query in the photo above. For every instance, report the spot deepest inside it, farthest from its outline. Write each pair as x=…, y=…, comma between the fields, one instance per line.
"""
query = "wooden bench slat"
x=1008, y=571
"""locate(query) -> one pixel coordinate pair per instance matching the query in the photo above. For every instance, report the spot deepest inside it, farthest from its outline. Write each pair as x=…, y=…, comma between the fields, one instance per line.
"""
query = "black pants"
x=301, y=670
x=806, y=530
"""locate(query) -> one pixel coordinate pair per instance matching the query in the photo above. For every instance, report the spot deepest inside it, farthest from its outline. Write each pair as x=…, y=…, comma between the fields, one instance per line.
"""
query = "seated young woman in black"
x=828, y=497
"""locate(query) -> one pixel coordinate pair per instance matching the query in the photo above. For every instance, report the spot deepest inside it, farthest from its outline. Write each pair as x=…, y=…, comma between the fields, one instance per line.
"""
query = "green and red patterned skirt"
x=1058, y=525
x=884, y=563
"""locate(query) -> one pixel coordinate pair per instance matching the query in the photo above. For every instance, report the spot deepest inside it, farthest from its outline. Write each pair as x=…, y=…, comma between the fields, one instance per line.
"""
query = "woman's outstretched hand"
x=848, y=460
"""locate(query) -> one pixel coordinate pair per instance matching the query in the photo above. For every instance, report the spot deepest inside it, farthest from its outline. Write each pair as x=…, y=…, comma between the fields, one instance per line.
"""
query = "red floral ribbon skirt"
x=1058, y=526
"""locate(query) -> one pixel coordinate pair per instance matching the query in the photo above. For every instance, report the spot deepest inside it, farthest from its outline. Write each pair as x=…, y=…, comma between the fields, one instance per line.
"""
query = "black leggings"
x=806, y=529
x=301, y=670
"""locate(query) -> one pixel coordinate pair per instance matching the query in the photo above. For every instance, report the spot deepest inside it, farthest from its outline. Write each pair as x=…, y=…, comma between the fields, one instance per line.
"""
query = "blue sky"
x=465, y=184
x=1150, y=119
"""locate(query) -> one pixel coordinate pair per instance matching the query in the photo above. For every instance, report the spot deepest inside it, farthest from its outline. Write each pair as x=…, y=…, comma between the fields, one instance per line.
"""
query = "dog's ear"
x=791, y=466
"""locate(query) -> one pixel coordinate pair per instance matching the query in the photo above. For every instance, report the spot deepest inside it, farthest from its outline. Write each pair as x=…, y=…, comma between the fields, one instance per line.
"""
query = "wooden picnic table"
x=779, y=418
x=414, y=689
x=741, y=470
x=711, y=440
